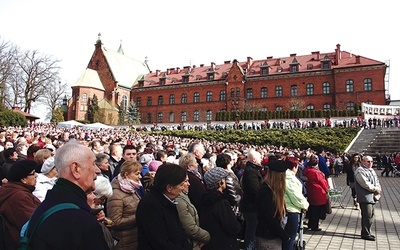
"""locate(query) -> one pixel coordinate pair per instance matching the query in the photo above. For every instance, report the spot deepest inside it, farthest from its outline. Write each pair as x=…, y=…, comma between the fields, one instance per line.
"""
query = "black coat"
x=158, y=224
x=251, y=182
x=217, y=217
x=196, y=189
x=67, y=229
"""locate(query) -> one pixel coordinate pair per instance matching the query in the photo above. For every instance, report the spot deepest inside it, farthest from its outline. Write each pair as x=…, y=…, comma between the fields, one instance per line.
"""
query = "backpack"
x=25, y=238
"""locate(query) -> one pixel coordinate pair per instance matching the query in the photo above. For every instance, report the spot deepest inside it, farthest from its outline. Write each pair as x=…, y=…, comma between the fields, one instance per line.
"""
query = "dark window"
x=326, y=88
x=160, y=100
x=349, y=86
x=222, y=95
x=196, y=116
x=278, y=91
x=293, y=90
x=183, y=116
x=184, y=98
x=250, y=93
x=368, y=84
x=310, y=89
x=196, y=97
x=209, y=96
x=149, y=101
x=172, y=99
x=264, y=92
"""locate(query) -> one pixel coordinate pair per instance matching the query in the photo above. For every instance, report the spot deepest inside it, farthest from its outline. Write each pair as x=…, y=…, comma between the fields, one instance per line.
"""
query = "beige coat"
x=190, y=222
x=121, y=209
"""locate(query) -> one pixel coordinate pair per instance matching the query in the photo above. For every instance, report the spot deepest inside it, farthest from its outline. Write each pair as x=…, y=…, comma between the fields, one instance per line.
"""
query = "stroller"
x=395, y=170
x=300, y=244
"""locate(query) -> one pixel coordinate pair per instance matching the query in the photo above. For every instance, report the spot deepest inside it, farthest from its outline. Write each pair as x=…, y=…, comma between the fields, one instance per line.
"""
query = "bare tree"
x=7, y=66
x=52, y=97
x=34, y=73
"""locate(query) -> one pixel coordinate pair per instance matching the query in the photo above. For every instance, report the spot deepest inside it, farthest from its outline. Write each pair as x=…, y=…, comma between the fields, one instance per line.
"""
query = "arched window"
x=368, y=84
x=172, y=99
x=349, y=85
x=310, y=89
x=196, y=97
x=327, y=106
x=293, y=90
x=278, y=108
x=124, y=102
x=184, y=98
x=84, y=97
x=350, y=106
x=160, y=100
x=264, y=92
x=310, y=107
x=209, y=116
x=326, y=88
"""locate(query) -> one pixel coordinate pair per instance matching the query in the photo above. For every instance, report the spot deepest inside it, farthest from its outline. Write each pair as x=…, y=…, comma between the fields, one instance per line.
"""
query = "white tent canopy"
x=96, y=125
x=69, y=124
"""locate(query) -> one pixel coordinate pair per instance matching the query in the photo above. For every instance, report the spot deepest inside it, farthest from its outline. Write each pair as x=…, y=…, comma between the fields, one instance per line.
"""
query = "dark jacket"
x=17, y=203
x=67, y=229
x=251, y=182
x=196, y=189
x=158, y=224
x=217, y=217
x=268, y=227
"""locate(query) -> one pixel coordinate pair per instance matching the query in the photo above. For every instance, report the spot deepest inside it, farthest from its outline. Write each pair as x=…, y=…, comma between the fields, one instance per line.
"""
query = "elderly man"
x=368, y=192
x=251, y=182
x=70, y=228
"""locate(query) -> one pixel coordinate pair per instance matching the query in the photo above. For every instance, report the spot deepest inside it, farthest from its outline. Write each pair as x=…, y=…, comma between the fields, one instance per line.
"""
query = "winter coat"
x=189, y=218
x=69, y=229
x=294, y=198
x=366, y=184
x=17, y=204
x=158, y=223
x=217, y=217
x=121, y=209
x=251, y=182
x=43, y=184
x=268, y=226
x=196, y=189
x=317, y=187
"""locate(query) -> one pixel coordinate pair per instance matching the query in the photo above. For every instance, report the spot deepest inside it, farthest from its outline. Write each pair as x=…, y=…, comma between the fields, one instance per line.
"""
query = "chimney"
x=358, y=59
x=278, y=62
x=338, y=54
x=157, y=72
x=293, y=55
x=315, y=53
x=249, y=62
x=227, y=62
x=169, y=71
x=201, y=65
x=178, y=70
x=212, y=66
x=270, y=57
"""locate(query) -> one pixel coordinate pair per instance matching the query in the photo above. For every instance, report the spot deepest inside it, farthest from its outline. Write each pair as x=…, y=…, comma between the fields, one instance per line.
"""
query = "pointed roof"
x=90, y=78
x=105, y=104
x=126, y=71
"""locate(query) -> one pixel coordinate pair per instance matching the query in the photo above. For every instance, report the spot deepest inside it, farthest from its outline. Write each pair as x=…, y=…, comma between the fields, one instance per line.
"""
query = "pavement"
x=342, y=228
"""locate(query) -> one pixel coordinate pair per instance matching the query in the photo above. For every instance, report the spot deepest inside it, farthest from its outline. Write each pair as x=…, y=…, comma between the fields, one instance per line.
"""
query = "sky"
x=178, y=33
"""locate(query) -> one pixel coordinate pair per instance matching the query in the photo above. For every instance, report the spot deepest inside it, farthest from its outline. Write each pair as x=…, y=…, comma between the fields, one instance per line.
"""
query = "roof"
x=90, y=78
x=105, y=104
x=27, y=115
x=281, y=65
x=126, y=70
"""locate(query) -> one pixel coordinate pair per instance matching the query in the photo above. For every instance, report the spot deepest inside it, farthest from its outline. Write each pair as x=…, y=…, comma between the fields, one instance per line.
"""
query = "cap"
x=48, y=165
x=277, y=166
x=215, y=175
x=21, y=169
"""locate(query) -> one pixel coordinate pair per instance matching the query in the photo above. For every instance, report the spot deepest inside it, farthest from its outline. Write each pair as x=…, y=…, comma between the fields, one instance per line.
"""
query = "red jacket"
x=317, y=187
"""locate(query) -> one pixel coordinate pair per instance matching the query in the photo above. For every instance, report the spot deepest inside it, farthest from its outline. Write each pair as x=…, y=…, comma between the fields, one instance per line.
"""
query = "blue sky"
x=178, y=33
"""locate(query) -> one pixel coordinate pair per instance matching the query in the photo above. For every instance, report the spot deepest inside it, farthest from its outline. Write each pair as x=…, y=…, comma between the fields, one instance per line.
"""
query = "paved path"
x=342, y=228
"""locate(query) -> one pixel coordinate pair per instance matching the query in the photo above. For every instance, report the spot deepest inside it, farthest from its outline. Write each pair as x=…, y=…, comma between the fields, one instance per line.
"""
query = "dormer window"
x=264, y=68
x=141, y=83
x=326, y=62
x=162, y=81
x=185, y=79
x=210, y=76
x=294, y=65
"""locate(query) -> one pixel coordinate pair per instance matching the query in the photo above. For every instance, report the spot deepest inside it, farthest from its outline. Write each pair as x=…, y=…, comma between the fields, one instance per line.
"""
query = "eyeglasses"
x=370, y=161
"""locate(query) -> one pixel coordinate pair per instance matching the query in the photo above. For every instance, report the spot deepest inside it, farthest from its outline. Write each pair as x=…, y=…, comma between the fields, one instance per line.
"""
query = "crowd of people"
x=138, y=191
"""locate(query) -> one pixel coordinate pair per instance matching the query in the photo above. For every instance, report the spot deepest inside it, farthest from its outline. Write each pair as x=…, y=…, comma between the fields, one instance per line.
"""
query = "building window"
x=183, y=116
x=264, y=71
x=278, y=91
x=327, y=106
x=294, y=68
x=222, y=95
x=232, y=92
x=162, y=81
x=368, y=84
x=124, y=102
x=209, y=116
x=196, y=116
x=82, y=108
x=185, y=79
x=237, y=92
x=184, y=98
x=149, y=101
x=138, y=101
x=265, y=109
x=264, y=92
x=294, y=107
x=349, y=86
x=325, y=65
x=210, y=76
x=196, y=97
x=159, y=117
x=293, y=90
x=278, y=108
x=148, y=119
x=310, y=107
x=84, y=97
x=172, y=117
x=249, y=93
x=369, y=102
x=326, y=88
x=350, y=106
x=209, y=96
x=172, y=99
x=310, y=89
x=160, y=100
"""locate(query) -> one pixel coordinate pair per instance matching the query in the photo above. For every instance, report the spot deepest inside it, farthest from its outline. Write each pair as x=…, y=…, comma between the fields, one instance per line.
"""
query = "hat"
x=277, y=166
x=215, y=175
x=145, y=158
x=48, y=165
x=154, y=164
x=21, y=169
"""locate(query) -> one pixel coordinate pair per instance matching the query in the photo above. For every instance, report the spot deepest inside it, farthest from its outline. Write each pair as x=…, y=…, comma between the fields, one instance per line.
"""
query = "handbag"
x=328, y=207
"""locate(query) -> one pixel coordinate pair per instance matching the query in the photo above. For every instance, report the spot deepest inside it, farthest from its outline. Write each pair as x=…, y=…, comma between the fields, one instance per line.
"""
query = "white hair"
x=102, y=187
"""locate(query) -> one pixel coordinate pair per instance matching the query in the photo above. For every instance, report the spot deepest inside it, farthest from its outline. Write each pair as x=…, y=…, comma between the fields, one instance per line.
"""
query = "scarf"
x=127, y=185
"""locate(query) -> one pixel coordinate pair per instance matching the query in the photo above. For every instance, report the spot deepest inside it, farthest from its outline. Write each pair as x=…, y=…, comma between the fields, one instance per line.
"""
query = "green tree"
x=93, y=110
x=133, y=113
x=9, y=118
x=121, y=113
x=57, y=116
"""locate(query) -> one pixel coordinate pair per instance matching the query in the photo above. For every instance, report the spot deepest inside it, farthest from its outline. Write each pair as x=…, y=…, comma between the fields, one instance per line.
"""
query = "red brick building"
x=319, y=81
